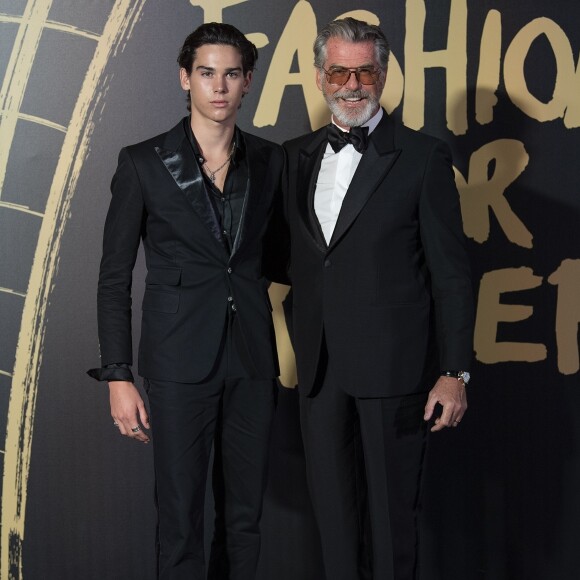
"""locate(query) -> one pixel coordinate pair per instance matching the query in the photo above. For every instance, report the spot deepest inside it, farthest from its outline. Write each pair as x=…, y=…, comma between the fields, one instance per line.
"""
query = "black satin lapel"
x=371, y=171
x=185, y=171
x=308, y=169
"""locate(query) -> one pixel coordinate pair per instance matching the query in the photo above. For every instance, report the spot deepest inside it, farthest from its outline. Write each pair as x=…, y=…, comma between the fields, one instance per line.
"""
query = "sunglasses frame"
x=357, y=71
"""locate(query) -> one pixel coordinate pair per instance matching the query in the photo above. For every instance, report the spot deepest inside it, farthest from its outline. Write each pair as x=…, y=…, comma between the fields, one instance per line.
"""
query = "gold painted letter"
x=567, y=278
x=489, y=68
x=453, y=59
x=479, y=192
x=490, y=312
x=297, y=38
x=566, y=83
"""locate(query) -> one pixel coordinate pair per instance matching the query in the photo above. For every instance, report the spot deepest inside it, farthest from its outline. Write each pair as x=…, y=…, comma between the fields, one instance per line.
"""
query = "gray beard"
x=351, y=118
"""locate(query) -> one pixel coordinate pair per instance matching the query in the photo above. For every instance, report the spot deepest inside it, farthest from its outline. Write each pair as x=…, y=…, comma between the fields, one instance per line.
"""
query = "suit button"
x=234, y=307
x=327, y=263
x=229, y=270
x=230, y=298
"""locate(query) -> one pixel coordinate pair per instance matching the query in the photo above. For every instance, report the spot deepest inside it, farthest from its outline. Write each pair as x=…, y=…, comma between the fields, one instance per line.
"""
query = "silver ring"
x=136, y=429
x=115, y=424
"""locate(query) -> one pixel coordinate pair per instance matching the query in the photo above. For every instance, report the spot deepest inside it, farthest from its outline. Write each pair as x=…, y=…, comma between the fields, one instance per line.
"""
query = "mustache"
x=348, y=94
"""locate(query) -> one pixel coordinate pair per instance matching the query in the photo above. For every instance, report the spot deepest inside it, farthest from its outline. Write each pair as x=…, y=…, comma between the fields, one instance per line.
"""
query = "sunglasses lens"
x=367, y=77
x=341, y=76
x=338, y=77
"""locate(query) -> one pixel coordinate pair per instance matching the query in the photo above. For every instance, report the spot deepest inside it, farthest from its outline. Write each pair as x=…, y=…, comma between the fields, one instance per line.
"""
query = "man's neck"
x=213, y=138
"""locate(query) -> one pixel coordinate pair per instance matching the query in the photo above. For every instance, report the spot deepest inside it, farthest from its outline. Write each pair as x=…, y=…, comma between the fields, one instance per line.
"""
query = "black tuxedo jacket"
x=391, y=293
x=192, y=279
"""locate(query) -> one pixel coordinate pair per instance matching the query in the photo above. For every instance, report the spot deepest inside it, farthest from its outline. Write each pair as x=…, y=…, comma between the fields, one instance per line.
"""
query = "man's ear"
x=247, y=82
x=384, y=76
x=184, y=79
x=318, y=75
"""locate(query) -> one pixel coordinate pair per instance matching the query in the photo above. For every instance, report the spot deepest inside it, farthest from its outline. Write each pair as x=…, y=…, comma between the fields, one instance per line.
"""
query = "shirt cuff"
x=112, y=372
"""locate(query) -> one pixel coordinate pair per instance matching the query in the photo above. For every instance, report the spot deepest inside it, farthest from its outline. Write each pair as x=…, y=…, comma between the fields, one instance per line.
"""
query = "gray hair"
x=352, y=30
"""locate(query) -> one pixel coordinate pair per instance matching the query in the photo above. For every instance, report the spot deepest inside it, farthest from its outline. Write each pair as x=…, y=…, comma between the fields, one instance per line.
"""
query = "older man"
x=382, y=311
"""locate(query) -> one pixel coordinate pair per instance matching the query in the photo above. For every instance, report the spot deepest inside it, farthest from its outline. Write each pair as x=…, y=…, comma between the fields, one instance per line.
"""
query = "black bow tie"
x=358, y=137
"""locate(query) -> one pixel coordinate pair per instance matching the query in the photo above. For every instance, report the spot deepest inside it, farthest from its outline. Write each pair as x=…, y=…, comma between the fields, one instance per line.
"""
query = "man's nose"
x=220, y=85
x=352, y=83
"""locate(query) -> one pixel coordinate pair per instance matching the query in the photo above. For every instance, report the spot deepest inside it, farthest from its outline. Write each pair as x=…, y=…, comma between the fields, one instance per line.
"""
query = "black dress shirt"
x=228, y=203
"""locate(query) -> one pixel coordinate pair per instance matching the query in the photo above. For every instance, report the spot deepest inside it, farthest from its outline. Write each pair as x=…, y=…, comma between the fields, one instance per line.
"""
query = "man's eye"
x=206, y=73
x=233, y=74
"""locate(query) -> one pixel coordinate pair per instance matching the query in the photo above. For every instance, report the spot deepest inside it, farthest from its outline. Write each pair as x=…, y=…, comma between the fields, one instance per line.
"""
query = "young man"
x=199, y=197
x=382, y=307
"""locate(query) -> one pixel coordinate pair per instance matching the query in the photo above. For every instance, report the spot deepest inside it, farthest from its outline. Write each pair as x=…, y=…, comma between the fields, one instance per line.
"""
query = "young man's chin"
x=217, y=115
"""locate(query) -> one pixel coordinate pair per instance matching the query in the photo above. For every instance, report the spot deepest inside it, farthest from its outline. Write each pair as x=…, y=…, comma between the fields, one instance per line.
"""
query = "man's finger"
x=429, y=407
x=139, y=434
x=144, y=418
x=445, y=420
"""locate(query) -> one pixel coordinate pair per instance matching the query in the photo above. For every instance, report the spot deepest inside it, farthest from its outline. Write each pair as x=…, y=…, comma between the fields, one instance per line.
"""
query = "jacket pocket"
x=162, y=290
x=169, y=276
x=160, y=301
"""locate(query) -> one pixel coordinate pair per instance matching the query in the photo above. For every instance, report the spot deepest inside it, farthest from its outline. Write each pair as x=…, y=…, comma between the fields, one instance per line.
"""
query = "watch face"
x=465, y=376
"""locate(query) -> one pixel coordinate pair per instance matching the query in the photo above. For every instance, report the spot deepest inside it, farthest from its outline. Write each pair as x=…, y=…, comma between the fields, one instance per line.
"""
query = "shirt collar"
x=239, y=146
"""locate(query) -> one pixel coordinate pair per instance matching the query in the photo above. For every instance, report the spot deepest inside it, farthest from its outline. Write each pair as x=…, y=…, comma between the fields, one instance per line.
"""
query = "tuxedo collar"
x=310, y=159
x=373, y=168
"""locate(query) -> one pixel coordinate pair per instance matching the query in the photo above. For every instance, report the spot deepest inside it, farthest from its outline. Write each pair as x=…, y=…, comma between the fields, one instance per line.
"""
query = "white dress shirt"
x=336, y=172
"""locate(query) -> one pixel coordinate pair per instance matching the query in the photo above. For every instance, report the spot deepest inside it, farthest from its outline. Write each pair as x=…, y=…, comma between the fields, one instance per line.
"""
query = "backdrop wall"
x=497, y=79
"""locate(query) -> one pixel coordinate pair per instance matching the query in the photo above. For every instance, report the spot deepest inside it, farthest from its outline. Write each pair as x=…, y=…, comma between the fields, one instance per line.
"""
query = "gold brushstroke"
x=213, y=9
x=39, y=121
x=17, y=73
x=258, y=38
x=118, y=29
x=12, y=291
x=52, y=25
x=213, y=12
x=18, y=207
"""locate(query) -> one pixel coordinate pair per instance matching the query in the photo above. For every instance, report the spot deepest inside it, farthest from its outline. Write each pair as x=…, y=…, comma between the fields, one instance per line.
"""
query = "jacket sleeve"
x=447, y=260
x=112, y=372
x=124, y=227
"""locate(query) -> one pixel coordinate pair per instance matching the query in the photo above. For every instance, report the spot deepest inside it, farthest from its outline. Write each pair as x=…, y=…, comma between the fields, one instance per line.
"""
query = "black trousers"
x=364, y=459
x=233, y=412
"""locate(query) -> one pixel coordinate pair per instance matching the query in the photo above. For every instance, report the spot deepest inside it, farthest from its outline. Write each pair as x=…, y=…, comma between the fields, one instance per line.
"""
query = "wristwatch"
x=459, y=375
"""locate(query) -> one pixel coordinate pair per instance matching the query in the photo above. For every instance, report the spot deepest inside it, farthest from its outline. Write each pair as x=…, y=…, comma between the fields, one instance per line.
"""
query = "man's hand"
x=128, y=410
x=449, y=392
